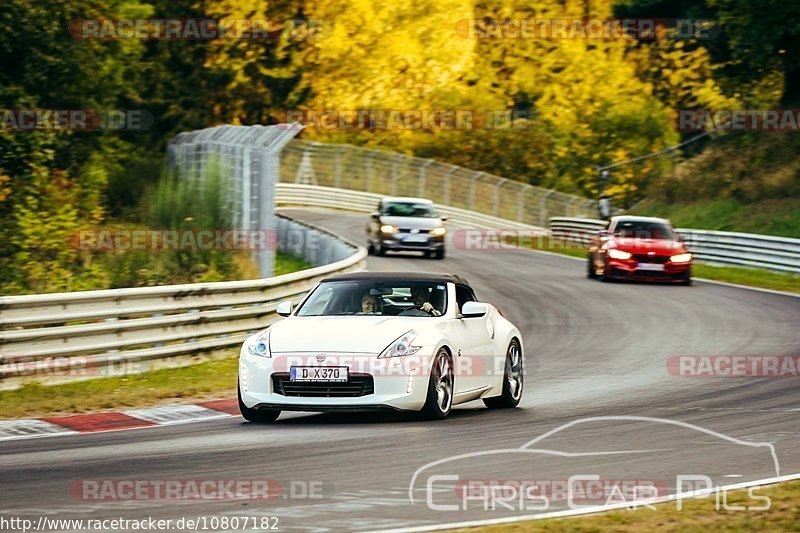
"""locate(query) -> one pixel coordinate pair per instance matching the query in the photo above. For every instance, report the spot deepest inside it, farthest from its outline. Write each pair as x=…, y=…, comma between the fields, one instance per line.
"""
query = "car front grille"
x=657, y=259
x=358, y=385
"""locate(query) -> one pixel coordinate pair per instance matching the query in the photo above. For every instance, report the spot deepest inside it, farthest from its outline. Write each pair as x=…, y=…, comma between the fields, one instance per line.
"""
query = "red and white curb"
x=115, y=421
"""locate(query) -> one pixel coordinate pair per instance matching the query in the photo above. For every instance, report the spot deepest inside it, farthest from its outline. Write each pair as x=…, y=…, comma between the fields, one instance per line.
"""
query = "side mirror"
x=443, y=218
x=474, y=310
x=375, y=214
x=602, y=234
x=284, y=308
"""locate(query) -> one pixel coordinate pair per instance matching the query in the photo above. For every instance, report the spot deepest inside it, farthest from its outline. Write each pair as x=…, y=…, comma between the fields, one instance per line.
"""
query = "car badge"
x=320, y=357
x=651, y=253
x=415, y=230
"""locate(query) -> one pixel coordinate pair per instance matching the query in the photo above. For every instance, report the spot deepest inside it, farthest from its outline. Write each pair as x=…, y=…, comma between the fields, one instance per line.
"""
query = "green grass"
x=697, y=516
x=286, y=263
x=770, y=217
x=752, y=277
x=209, y=380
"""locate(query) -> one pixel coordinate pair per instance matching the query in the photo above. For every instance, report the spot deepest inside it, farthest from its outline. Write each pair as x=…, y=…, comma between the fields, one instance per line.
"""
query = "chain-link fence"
x=391, y=173
x=246, y=158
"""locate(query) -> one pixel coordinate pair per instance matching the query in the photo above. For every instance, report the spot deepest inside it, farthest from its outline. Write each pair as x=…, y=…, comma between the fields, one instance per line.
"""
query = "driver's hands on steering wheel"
x=428, y=308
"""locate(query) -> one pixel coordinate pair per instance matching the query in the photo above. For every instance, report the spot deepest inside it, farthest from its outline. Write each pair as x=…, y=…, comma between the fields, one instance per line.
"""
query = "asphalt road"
x=592, y=350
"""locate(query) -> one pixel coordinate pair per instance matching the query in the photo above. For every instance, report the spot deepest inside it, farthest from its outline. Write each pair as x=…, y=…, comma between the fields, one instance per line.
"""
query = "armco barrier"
x=716, y=247
x=70, y=336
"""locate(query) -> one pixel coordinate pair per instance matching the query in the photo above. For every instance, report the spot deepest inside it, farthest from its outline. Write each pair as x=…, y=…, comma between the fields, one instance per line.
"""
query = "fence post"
x=472, y=188
x=421, y=185
x=496, y=202
x=337, y=172
x=521, y=203
x=543, y=209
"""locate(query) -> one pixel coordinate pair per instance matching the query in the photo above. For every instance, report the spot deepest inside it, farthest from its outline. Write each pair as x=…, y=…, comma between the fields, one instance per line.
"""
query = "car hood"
x=659, y=246
x=351, y=334
x=412, y=222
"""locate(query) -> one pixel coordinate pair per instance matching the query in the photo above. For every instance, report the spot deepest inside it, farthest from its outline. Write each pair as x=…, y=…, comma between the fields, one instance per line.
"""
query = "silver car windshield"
x=365, y=298
x=408, y=209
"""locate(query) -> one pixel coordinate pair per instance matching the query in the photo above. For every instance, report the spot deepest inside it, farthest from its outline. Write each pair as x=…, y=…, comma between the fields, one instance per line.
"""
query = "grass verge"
x=209, y=380
x=696, y=516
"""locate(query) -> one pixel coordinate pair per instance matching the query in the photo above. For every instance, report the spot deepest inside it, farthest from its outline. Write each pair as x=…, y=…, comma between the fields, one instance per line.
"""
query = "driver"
x=370, y=305
x=419, y=295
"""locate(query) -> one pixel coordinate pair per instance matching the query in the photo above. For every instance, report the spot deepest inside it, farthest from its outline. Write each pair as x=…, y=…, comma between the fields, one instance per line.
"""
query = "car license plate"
x=417, y=238
x=318, y=373
x=650, y=266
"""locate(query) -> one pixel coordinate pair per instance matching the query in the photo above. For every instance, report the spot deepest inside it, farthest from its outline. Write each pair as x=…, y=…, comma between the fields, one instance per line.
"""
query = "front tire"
x=440, y=388
x=256, y=415
x=590, y=271
x=512, y=380
x=439, y=254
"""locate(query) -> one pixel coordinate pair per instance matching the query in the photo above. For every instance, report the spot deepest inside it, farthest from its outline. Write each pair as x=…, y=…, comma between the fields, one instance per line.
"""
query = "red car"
x=639, y=248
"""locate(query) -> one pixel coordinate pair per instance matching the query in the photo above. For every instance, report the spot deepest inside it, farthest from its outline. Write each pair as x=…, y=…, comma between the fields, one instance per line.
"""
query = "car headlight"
x=438, y=232
x=403, y=345
x=260, y=347
x=388, y=228
x=618, y=254
x=681, y=258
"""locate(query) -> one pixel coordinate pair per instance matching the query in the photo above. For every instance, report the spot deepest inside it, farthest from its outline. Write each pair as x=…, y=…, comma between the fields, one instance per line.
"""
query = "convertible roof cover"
x=434, y=277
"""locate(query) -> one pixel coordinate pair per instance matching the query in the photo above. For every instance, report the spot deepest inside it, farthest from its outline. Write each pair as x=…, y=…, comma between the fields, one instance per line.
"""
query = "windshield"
x=389, y=298
x=639, y=229
x=409, y=209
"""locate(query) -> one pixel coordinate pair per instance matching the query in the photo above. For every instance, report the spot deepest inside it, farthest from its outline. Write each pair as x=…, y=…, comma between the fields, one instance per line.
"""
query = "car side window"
x=463, y=295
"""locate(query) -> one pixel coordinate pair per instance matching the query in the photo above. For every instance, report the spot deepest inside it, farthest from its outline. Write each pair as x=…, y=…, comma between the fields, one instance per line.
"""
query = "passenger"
x=419, y=295
x=370, y=305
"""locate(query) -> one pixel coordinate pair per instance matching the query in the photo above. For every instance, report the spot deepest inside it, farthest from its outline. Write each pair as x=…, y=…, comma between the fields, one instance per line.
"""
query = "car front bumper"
x=629, y=269
x=401, y=243
x=395, y=385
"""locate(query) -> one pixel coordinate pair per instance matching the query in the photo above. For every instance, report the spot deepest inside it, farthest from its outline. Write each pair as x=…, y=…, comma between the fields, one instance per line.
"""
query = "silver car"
x=406, y=224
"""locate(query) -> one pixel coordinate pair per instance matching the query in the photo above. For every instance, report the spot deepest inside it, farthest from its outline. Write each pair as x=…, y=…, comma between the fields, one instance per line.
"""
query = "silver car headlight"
x=260, y=347
x=403, y=345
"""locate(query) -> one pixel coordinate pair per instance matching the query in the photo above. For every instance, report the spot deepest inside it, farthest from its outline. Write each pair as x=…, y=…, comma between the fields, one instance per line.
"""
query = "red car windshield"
x=639, y=229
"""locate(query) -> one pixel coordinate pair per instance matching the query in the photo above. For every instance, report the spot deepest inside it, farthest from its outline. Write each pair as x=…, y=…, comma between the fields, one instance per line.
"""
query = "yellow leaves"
x=5, y=190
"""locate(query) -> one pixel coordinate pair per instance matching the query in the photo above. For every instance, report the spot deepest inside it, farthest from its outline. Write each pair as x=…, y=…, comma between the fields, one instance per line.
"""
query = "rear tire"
x=440, y=388
x=256, y=415
x=512, y=380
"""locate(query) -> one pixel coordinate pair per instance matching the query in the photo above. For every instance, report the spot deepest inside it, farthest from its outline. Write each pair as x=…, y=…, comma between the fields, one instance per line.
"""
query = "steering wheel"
x=415, y=310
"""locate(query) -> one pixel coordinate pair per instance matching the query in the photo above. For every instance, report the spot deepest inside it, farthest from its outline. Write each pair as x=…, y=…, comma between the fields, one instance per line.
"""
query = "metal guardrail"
x=387, y=173
x=70, y=336
x=715, y=247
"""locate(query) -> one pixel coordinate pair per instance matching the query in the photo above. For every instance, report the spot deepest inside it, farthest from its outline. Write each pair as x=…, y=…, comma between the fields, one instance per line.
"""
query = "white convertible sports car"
x=367, y=340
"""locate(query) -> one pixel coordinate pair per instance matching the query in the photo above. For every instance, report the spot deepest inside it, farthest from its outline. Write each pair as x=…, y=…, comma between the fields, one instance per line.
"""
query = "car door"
x=474, y=354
